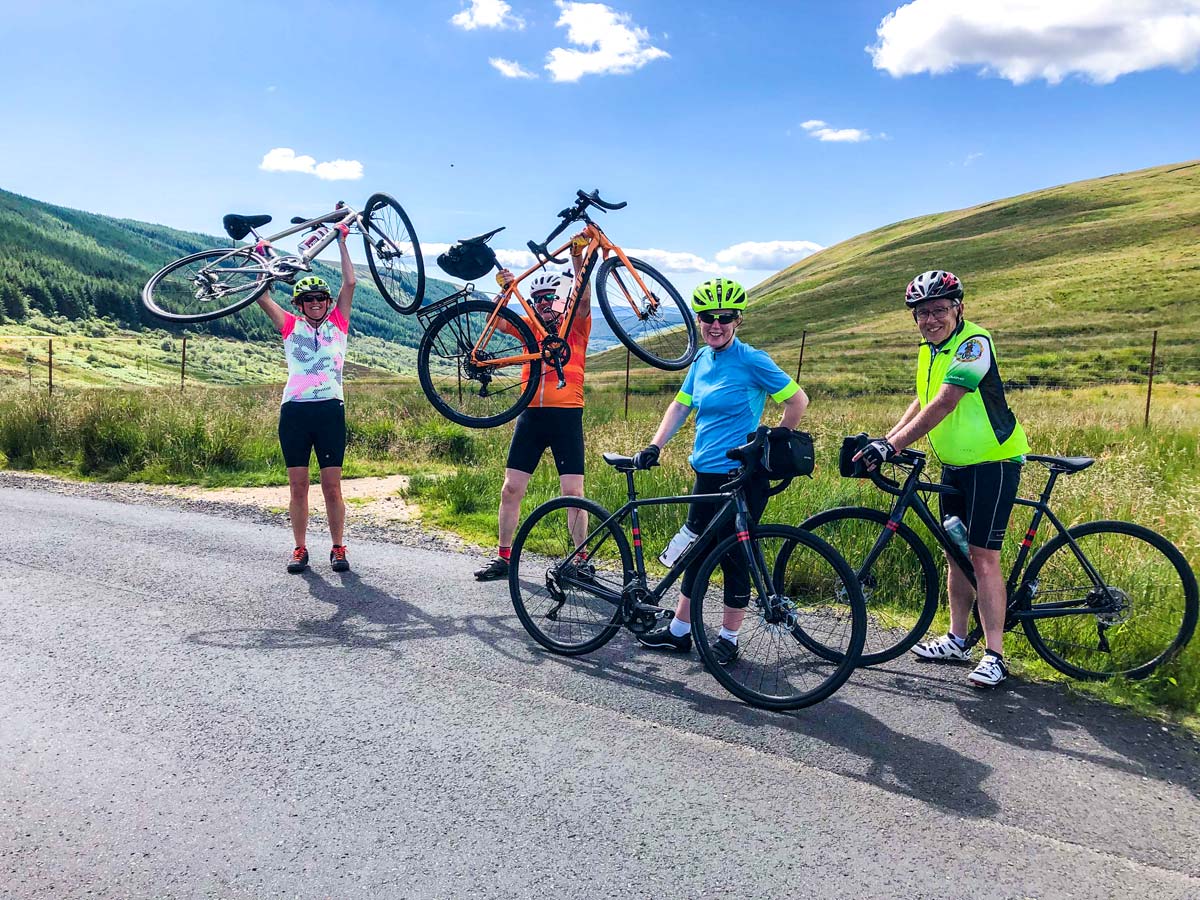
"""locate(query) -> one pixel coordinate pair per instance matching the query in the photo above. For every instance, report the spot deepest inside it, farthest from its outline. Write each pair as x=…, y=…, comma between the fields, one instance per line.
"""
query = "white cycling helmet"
x=550, y=281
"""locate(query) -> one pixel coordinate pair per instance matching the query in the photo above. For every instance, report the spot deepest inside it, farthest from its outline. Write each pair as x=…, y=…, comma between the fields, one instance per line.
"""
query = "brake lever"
x=542, y=255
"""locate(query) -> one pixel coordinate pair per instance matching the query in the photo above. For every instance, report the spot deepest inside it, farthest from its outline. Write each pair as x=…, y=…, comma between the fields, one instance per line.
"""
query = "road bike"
x=215, y=283
x=1099, y=599
x=574, y=588
x=480, y=362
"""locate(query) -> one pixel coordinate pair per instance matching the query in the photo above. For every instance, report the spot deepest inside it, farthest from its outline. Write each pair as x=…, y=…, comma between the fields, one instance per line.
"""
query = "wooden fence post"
x=50, y=365
x=800, y=365
x=1150, y=380
x=183, y=364
x=626, y=384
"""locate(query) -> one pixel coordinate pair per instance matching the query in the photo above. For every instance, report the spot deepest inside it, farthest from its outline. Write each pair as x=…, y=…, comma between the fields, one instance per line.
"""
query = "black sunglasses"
x=724, y=318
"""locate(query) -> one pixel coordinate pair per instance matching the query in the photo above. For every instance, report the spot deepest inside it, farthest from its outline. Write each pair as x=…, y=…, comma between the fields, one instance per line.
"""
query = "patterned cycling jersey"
x=728, y=389
x=314, y=357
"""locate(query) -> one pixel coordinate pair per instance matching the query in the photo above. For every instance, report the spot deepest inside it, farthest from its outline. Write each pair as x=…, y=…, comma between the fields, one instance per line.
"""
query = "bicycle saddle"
x=237, y=227
x=482, y=238
x=618, y=462
x=1068, y=464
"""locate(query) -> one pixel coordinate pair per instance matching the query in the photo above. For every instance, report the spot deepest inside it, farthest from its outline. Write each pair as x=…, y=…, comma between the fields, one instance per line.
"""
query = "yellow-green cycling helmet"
x=310, y=285
x=718, y=293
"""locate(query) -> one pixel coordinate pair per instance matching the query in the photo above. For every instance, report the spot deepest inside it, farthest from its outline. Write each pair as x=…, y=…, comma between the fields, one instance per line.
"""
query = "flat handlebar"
x=573, y=213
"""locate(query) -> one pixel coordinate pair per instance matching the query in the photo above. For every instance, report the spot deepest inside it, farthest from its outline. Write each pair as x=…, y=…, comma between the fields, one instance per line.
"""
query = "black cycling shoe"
x=493, y=571
x=660, y=638
x=724, y=651
x=299, y=561
x=337, y=558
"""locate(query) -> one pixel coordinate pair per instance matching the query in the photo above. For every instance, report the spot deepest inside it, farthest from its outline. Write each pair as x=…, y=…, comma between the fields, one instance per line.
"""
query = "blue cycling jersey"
x=728, y=389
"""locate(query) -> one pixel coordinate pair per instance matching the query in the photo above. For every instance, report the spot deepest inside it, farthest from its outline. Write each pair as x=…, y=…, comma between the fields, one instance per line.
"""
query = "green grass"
x=226, y=437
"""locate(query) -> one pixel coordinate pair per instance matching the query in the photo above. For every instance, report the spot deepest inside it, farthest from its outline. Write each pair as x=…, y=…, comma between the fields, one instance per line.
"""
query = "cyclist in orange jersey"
x=554, y=419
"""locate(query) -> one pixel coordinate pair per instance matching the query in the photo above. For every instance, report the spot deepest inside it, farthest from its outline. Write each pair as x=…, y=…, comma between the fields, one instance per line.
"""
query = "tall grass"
x=223, y=436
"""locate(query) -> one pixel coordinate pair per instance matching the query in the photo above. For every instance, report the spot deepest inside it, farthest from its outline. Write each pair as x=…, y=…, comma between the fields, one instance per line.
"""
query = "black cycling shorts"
x=555, y=428
x=319, y=425
x=701, y=512
x=985, y=501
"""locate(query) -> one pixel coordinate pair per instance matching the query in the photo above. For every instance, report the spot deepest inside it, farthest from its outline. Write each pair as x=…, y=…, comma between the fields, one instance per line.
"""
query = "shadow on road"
x=1026, y=716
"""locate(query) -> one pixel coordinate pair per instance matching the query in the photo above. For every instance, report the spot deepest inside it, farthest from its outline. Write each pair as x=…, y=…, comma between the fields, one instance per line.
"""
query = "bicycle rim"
x=393, y=253
x=655, y=324
x=457, y=385
x=812, y=592
x=1143, y=614
x=206, y=285
x=566, y=575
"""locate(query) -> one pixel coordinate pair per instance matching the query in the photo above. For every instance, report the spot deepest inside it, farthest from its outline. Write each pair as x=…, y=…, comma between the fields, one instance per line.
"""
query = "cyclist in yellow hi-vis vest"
x=961, y=406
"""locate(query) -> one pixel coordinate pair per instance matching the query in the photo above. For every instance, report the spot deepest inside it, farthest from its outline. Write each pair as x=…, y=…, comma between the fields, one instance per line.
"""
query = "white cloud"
x=822, y=132
x=510, y=69
x=675, y=260
x=284, y=159
x=487, y=14
x=612, y=44
x=1024, y=40
x=765, y=254
x=971, y=157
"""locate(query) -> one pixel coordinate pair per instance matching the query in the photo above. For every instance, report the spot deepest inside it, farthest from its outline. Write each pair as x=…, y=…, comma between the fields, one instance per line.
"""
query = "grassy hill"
x=1072, y=280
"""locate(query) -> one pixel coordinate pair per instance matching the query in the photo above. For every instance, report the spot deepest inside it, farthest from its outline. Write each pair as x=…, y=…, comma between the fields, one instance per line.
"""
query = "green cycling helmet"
x=310, y=285
x=718, y=293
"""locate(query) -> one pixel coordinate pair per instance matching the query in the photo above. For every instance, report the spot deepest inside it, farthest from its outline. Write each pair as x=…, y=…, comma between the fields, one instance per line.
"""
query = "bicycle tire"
x=532, y=603
x=665, y=334
x=1132, y=566
x=449, y=338
x=828, y=584
x=393, y=277
x=898, y=614
x=154, y=295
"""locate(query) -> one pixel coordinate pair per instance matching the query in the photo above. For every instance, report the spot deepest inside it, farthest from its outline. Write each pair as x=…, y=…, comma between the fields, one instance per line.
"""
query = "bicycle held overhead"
x=218, y=282
x=480, y=362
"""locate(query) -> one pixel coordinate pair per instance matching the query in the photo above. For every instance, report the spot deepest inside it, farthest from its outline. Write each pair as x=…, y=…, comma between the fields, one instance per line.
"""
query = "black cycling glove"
x=644, y=459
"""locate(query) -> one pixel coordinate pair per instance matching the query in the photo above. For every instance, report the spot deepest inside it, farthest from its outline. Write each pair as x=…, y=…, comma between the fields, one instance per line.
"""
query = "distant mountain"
x=81, y=265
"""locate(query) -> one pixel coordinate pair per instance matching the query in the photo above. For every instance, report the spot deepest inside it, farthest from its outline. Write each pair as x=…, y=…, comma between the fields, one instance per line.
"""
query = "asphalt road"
x=179, y=718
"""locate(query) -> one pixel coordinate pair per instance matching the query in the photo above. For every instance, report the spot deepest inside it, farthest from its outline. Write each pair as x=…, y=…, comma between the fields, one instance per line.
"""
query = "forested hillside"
x=79, y=265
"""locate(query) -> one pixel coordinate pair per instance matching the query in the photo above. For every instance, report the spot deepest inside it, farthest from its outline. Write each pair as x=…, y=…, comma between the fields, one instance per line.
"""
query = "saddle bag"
x=467, y=260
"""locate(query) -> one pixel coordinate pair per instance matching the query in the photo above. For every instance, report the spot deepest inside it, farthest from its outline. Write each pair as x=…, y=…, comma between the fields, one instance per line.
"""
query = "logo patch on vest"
x=969, y=351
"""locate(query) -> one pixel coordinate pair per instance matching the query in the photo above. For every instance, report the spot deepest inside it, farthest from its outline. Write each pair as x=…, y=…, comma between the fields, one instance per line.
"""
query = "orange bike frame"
x=598, y=242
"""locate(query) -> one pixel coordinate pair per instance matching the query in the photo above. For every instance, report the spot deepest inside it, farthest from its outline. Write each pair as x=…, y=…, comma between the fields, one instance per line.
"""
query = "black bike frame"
x=735, y=506
x=908, y=495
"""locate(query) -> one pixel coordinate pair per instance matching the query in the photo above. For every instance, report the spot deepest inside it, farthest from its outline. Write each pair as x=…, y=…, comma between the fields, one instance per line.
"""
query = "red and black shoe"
x=337, y=558
x=299, y=561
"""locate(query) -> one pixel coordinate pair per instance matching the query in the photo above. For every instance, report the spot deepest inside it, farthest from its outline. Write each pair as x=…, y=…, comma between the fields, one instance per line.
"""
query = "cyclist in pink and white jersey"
x=313, y=413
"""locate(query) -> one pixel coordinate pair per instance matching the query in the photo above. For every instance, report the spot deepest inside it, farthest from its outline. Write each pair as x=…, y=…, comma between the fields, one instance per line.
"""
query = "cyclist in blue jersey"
x=727, y=386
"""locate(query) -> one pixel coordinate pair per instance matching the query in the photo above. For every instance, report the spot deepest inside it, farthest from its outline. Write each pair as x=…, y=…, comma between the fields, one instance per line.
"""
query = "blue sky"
x=767, y=124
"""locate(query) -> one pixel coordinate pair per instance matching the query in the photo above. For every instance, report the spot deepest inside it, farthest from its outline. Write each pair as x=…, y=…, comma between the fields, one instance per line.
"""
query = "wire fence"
x=842, y=364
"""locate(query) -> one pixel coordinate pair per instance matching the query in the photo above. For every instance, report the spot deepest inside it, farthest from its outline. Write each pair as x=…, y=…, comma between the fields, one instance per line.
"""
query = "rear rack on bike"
x=426, y=314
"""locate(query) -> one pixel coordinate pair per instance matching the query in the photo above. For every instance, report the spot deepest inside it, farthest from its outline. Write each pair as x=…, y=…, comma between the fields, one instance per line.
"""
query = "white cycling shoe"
x=990, y=671
x=943, y=649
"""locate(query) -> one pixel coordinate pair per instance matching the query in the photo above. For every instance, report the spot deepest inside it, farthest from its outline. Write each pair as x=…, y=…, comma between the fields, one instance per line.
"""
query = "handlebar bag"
x=788, y=453
x=467, y=260
x=847, y=465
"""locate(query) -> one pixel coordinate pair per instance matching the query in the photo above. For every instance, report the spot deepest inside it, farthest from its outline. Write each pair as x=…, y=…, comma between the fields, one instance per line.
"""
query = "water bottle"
x=313, y=239
x=683, y=539
x=957, y=532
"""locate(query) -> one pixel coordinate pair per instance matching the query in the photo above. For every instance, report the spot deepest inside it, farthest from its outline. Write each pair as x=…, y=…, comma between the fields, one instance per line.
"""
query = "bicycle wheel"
x=393, y=253
x=813, y=593
x=900, y=588
x=462, y=390
x=206, y=285
x=1144, y=613
x=567, y=604
x=655, y=324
